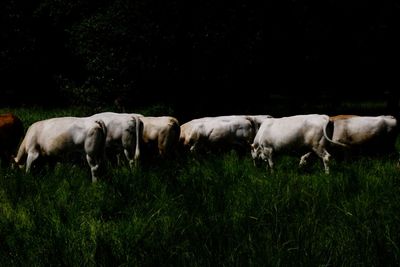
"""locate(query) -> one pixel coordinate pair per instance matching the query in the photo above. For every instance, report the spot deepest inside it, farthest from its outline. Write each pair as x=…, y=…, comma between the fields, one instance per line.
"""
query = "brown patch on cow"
x=341, y=117
x=59, y=144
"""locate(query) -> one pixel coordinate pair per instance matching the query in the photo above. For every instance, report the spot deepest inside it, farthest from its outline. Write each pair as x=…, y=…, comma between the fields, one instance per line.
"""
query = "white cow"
x=57, y=137
x=366, y=134
x=301, y=132
x=220, y=133
x=162, y=132
x=124, y=132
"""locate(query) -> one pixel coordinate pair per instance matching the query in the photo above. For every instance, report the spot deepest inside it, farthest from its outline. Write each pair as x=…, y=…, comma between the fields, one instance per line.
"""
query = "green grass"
x=217, y=210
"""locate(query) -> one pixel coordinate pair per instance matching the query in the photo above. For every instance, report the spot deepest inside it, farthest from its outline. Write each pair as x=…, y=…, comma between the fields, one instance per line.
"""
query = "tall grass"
x=218, y=210
x=201, y=211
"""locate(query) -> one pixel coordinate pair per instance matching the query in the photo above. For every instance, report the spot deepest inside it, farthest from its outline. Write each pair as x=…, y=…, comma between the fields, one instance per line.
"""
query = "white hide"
x=294, y=133
x=124, y=132
x=223, y=132
x=57, y=137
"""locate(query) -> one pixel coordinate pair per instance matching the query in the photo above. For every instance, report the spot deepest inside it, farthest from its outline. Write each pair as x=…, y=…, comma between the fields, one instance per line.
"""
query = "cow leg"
x=325, y=156
x=129, y=157
x=255, y=154
x=32, y=157
x=304, y=158
x=257, y=162
x=193, y=148
x=200, y=146
x=95, y=151
x=267, y=155
x=163, y=147
x=94, y=167
x=94, y=156
x=271, y=164
x=118, y=159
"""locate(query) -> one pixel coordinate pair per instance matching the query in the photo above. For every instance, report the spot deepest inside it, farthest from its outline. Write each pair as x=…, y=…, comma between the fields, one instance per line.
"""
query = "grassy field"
x=217, y=210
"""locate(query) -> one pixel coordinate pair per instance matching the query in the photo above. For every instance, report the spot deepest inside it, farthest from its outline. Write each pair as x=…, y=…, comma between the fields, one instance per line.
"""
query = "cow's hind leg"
x=129, y=156
x=164, y=147
x=325, y=156
x=32, y=157
x=94, y=167
x=95, y=158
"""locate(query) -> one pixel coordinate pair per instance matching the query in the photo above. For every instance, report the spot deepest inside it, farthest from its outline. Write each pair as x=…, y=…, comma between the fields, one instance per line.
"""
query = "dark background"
x=199, y=57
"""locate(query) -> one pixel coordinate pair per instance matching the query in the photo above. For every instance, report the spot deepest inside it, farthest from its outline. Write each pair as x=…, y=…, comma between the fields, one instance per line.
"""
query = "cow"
x=161, y=132
x=124, y=131
x=11, y=134
x=365, y=135
x=58, y=137
x=220, y=133
x=299, y=133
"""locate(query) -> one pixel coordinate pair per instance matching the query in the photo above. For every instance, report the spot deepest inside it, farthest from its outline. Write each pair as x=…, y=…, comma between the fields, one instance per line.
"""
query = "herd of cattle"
x=112, y=134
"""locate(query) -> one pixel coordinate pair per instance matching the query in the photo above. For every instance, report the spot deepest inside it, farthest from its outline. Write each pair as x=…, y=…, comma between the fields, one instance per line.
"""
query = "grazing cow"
x=220, y=133
x=123, y=134
x=161, y=132
x=301, y=132
x=57, y=137
x=11, y=134
x=366, y=135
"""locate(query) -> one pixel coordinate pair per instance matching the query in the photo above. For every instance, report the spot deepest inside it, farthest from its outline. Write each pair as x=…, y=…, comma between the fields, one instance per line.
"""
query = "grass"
x=217, y=210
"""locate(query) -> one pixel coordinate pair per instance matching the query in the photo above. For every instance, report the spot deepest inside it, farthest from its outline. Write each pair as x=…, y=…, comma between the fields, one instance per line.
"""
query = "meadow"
x=212, y=210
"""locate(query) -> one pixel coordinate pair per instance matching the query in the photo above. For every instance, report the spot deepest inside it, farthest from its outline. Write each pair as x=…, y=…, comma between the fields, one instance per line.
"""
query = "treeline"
x=214, y=55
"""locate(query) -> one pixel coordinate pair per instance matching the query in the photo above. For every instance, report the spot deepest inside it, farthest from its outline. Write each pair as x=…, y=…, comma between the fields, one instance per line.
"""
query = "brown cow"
x=11, y=133
x=161, y=133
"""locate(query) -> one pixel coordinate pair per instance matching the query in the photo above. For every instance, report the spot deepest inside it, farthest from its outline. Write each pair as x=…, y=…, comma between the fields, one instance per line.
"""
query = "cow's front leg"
x=304, y=158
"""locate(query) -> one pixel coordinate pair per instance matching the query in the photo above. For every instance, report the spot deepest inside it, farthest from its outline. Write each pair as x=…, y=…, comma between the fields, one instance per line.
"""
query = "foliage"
x=196, y=55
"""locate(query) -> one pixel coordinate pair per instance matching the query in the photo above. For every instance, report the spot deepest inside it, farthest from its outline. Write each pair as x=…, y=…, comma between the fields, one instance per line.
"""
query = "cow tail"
x=330, y=124
x=172, y=138
x=102, y=127
x=139, y=130
x=176, y=129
